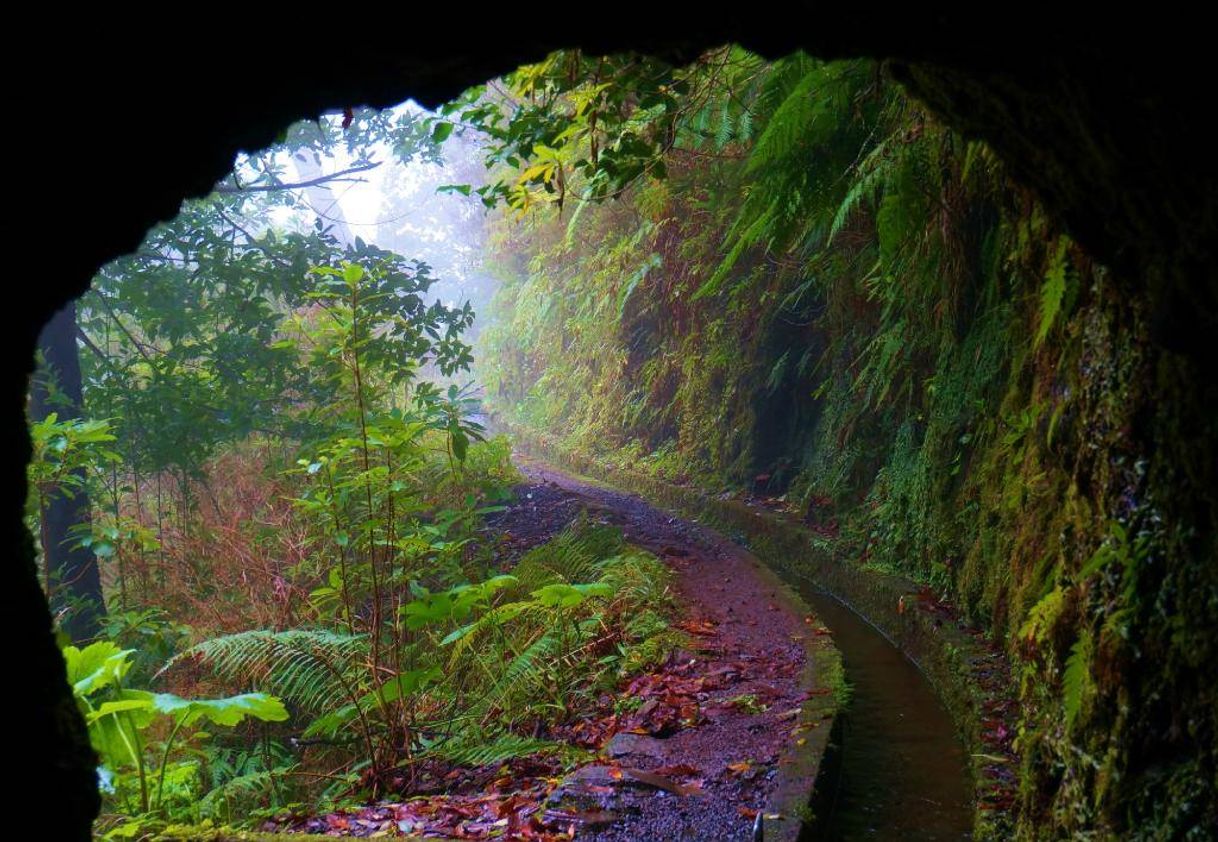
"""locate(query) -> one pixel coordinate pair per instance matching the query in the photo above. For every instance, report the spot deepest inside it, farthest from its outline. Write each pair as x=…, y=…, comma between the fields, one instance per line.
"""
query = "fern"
x=503, y=747
x=527, y=670
x=1074, y=678
x=243, y=789
x=788, y=126
x=313, y=668
x=872, y=175
x=638, y=579
x=1052, y=292
x=571, y=557
x=723, y=134
x=744, y=126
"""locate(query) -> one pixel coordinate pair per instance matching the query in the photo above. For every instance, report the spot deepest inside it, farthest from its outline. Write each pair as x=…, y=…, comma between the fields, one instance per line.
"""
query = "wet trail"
x=743, y=670
x=903, y=773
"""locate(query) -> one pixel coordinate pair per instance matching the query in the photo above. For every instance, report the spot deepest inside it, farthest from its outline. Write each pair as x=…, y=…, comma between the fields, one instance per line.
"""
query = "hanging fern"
x=1053, y=291
x=872, y=176
x=1074, y=678
x=788, y=126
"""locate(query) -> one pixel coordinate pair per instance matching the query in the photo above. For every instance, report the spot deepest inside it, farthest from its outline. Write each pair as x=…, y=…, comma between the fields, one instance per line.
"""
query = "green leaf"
x=113, y=727
x=328, y=724
x=230, y=711
x=460, y=444
x=403, y=684
x=96, y=666
x=120, y=706
x=440, y=133
x=561, y=595
x=1052, y=291
x=1074, y=679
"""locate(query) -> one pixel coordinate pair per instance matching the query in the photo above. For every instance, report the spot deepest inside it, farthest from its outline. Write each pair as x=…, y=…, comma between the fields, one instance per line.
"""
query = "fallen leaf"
x=660, y=782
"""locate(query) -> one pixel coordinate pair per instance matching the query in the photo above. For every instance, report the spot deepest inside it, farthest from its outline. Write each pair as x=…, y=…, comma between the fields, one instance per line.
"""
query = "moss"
x=974, y=406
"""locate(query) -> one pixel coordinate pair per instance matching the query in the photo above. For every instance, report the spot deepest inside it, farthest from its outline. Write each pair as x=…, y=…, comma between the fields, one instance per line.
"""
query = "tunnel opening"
x=1043, y=604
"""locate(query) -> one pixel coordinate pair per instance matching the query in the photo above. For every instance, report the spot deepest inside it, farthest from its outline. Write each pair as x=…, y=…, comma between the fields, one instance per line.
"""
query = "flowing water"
x=903, y=772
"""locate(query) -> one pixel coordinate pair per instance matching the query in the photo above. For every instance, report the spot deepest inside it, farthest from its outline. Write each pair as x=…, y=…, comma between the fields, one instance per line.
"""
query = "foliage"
x=481, y=663
x=122, y=722
x=852, y=309
x=593, y=125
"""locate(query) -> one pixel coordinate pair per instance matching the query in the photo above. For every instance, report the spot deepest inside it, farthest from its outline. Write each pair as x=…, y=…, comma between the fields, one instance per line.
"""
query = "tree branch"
x=229, y=190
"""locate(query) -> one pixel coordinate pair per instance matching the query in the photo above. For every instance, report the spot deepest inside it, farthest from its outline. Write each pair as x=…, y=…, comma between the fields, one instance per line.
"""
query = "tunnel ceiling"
x=1099, y=124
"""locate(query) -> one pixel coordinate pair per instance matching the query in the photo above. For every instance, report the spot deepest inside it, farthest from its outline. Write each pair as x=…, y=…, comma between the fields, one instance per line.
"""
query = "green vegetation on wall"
x=815, y=290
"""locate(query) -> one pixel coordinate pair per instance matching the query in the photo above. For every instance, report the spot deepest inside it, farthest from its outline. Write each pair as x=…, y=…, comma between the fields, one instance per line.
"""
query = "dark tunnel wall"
x=1106, y=126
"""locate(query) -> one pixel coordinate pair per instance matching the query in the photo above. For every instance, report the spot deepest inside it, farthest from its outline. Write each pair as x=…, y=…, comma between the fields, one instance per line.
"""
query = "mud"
x=722, y=771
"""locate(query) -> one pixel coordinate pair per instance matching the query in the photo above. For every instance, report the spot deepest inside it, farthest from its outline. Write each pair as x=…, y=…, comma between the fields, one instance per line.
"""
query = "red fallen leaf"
x=660, y=782
x=747, y=812
x=699, y=627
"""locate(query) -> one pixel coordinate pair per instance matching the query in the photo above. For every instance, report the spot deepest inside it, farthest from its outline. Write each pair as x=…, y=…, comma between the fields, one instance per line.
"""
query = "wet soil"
x=745, y=665
x=700, y=757
x=903, y=772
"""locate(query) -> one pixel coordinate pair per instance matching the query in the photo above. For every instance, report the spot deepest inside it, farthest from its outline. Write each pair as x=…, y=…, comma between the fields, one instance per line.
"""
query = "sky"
x=396, y=206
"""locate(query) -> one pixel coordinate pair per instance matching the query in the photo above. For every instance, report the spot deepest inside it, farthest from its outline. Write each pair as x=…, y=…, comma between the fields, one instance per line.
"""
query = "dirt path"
x=721, y=734
x=746, y=676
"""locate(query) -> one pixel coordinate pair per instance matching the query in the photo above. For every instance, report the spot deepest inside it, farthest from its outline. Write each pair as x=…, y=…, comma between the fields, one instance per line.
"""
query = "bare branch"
x=229, y=190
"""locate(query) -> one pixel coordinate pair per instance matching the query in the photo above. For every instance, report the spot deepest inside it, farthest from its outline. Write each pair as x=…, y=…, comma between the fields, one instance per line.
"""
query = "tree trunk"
x=72, y=570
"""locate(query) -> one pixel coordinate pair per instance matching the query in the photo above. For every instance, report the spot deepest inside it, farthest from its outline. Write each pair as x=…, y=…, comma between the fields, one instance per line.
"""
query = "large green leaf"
x=453, y=605
x=114, y=727
x=229, y=711
x=96, y=666
x=561, y=595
